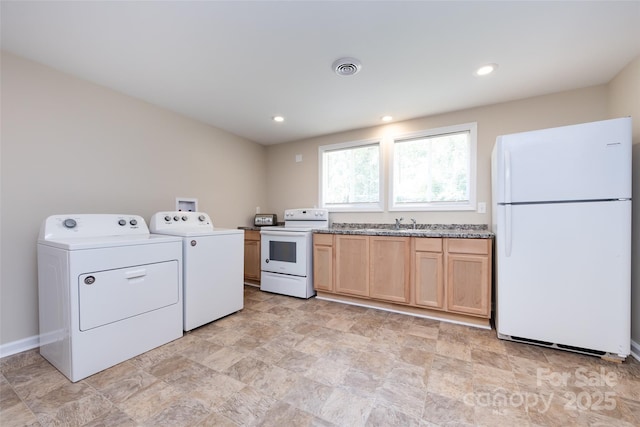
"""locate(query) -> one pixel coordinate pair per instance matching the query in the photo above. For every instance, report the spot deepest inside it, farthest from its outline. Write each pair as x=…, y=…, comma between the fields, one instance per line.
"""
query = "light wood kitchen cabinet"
x=323, y=262
x=468, y=279
x=252, y=255
x=428, y=277
x=443, y=277
x=352, y=265
x=389, y=268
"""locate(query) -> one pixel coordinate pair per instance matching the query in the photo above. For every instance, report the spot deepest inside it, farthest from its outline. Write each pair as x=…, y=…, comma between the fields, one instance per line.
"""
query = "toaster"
x=265, y=219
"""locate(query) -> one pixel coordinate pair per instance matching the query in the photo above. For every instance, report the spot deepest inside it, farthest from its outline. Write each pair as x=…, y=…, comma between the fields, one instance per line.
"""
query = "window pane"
x=352, y=175
x=432, y=169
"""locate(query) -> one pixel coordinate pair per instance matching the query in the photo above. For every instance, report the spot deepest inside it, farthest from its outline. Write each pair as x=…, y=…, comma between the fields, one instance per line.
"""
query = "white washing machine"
x=108, y=291
x=213, y=280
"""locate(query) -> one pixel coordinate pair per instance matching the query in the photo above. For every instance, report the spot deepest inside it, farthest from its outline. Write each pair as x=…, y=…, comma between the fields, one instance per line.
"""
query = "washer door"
x=113, y=295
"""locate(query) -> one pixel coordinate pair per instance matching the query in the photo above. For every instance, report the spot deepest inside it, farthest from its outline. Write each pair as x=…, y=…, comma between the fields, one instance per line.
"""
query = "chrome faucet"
x=397, y=227
x=413, y=221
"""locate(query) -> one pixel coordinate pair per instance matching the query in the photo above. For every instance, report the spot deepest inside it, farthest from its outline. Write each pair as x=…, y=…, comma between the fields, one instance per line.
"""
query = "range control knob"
x=167, y=218
x=176, y=218
x=201, y=217
x=133, y=222
x=122, y=222
x=69, y=223
x=184, y=218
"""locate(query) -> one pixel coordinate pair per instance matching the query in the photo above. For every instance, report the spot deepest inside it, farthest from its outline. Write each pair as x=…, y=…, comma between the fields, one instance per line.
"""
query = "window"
x=434, y=170
x=351, y=176
x=428, y=170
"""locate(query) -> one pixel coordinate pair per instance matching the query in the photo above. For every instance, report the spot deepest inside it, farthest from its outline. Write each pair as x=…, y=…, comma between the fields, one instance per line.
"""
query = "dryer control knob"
x=133, y=222
x=184, y=218
x=122, y=222
x=69, y=223
x=201, y=217
x=167, y=218
x=176, y=218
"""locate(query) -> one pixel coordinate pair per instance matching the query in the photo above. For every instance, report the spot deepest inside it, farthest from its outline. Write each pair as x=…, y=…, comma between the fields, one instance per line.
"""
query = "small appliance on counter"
x=261, y=220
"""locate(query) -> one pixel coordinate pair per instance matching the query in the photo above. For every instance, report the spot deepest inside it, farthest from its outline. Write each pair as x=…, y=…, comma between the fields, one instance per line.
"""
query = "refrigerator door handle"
x=507, y=176
x=508, y=231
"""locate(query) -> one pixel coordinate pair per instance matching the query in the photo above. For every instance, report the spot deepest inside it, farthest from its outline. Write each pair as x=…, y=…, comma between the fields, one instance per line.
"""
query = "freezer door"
x=590, y=161
x=563, y=274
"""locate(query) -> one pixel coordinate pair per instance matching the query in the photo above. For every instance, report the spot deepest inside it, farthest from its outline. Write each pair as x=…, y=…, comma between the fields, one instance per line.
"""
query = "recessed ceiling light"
x=486, y=69
x=278, y=119
x=386, y=118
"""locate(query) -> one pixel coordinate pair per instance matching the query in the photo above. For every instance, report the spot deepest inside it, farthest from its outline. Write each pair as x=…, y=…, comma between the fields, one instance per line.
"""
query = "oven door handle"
x=278, y=233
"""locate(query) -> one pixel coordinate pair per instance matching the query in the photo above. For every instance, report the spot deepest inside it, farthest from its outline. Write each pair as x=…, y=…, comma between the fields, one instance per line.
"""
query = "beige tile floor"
x=283, y=361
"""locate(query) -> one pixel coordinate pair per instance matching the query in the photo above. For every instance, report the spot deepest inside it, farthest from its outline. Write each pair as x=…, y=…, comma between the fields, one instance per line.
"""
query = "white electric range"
x=287, y=253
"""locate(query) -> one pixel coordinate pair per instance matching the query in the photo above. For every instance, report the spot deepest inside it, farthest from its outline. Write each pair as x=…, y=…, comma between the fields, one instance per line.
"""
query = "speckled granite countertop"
x=465, y=231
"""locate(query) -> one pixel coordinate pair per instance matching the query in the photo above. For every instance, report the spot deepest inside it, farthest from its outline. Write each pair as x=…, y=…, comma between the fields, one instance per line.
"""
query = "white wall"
x=294, y=184
x=69, y=146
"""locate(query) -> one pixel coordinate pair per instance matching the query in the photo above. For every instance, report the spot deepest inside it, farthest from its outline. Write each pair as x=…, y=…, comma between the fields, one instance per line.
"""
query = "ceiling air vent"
x=346, y=66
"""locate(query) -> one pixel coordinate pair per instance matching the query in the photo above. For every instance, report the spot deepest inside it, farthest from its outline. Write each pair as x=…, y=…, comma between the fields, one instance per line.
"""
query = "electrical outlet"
x=298, y=158
x=482, y=207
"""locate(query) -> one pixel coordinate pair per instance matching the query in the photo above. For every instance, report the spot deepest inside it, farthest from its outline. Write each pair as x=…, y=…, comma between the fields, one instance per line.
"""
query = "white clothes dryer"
x=108, y=291
x=213, y=273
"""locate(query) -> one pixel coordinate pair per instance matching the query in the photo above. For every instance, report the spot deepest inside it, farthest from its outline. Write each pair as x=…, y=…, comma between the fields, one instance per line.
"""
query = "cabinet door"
x=467, y=284
x=323, y=263
x=429, y=281
x=389, y=265
x=352, y=265
x=252, y=255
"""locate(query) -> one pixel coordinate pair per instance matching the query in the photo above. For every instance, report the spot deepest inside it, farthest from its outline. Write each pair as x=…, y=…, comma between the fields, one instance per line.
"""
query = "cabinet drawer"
x=469, y=246
x=428, y=244
x=323, y=239
x=251, y=235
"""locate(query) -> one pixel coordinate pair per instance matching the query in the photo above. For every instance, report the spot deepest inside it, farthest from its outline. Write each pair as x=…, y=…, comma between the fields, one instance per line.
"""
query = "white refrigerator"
x=562, y=219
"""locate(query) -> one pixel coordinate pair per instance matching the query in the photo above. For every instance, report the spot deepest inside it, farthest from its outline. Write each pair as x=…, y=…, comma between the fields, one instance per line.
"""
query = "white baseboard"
x=19, y=346
x=635, y=350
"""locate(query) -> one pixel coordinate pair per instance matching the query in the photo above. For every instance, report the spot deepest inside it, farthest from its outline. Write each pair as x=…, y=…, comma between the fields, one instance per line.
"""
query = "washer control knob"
x=133, y=222
x=176, y=218
x=201, y=217
x=184, y=218
x=70, y=223
x=167, y=218
x=122, y=222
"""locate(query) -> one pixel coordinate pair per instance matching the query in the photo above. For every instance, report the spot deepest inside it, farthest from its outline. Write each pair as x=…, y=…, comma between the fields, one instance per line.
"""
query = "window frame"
x=353, y=207
x=469, y=205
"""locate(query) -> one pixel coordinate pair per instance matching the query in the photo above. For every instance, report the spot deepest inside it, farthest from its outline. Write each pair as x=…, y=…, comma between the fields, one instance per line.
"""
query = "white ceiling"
x=236, y=64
